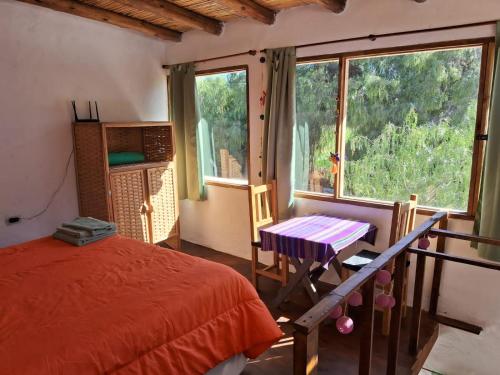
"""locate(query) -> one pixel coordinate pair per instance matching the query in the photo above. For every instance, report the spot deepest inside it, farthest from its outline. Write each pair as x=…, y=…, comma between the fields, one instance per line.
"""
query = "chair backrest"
x=263, y=207
x=403, y=219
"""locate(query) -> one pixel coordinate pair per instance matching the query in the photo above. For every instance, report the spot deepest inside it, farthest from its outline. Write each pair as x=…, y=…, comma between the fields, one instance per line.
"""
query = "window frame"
x=482, y=113
x=221, y=181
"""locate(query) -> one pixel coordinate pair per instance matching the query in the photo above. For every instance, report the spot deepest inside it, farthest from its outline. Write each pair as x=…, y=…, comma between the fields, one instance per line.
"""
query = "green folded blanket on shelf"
x=84, y=230
x=119, y=158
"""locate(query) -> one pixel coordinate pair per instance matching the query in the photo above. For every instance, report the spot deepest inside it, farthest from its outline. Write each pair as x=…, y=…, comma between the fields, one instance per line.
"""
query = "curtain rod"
x=374, y=37
x=371, y=37
x=251, y=52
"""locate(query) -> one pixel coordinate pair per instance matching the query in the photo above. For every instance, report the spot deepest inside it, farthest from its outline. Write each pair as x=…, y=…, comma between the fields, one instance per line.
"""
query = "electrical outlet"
x=13, y=220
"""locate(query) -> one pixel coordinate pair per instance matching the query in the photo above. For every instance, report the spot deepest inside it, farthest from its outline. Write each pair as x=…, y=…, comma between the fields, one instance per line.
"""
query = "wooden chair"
x=264, y=212
x=403, y=222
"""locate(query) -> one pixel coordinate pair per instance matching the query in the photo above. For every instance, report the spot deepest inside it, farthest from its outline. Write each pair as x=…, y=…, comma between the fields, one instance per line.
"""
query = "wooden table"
x=314, y=238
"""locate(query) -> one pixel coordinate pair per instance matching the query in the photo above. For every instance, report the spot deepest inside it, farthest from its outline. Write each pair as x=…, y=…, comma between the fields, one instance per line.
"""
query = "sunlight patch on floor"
x=462, y=353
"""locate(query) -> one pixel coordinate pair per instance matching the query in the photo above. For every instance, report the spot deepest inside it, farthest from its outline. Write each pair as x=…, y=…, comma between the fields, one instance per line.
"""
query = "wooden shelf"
x=135, y=166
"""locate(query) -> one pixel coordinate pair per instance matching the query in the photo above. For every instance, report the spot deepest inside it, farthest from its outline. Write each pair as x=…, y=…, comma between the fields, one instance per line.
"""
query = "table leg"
x=301, y=270
x=307, y=283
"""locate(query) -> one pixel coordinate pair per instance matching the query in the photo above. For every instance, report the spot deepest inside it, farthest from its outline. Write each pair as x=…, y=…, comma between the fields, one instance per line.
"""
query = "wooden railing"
x=307, y=326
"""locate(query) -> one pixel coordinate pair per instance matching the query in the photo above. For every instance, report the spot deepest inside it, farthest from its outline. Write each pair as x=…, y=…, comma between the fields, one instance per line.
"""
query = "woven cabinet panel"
x=163, y=203
x=128, y=197
x=124, y=139
x=92, y=194
x=158, y=145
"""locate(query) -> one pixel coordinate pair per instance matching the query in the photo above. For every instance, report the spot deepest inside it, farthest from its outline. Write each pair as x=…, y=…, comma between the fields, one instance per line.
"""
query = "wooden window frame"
x=482, y=114
x=220, y=181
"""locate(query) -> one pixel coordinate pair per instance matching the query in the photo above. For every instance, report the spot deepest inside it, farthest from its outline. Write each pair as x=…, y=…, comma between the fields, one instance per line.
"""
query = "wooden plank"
x=417, y=305
x=457, y=259
x=336, y=6
x=305, y=352
x=397, y=314
x=465, y=236
x=455, y=323
x=102, y=15
x=367, y=322
x=438, y=269
x=251, y=9
x=321, y=311
x=174, y=12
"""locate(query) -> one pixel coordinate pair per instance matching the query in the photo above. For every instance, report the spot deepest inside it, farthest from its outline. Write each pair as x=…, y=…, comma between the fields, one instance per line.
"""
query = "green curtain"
x=489, y=210
x=194, y=153
x=277, y=153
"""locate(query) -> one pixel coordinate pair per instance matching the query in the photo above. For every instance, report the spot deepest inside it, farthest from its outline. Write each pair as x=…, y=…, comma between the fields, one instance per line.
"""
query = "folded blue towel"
x=80, y=241
x=91, y=225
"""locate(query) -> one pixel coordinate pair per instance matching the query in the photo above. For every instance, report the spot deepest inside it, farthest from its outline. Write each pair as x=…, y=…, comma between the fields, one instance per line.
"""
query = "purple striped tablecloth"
x=315, y=237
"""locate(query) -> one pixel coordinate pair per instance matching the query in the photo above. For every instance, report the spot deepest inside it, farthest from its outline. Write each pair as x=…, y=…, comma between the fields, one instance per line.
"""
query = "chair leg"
x=276, y=258
x=255, y=261
x=284, y=270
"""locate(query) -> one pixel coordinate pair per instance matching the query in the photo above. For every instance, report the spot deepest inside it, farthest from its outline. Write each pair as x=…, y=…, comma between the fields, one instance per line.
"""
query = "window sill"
x=227, y=183
x=378, y=204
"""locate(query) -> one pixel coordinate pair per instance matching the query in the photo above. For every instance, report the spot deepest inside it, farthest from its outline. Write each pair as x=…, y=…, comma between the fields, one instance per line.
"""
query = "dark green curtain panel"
x=191, y=142
x=277, y=152
x=489, y=209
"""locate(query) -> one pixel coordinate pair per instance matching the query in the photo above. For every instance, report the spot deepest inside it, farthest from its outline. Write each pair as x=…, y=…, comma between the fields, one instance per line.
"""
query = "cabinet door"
x=128, y=196
x=163, y=202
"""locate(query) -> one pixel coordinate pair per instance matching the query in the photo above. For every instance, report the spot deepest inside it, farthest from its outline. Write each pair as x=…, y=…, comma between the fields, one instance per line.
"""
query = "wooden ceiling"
x=169, y=19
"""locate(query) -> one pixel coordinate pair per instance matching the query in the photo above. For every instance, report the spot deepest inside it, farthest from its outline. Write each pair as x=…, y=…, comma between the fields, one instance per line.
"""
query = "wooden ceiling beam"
x=336, y=6
x=251, y=9
x=98, y=14
x=174, y=12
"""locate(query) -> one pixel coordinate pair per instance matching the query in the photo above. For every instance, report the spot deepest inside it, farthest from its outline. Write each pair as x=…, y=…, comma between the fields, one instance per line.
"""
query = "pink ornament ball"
x=391, y=302
x=383, y=277
x=382, y=300
x=423, y=243
x=355, y=299
x=345, y=325
x=336, y=313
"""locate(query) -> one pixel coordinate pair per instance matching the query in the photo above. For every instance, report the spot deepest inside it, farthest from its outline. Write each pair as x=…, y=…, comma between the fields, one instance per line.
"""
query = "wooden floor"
x=338, y=354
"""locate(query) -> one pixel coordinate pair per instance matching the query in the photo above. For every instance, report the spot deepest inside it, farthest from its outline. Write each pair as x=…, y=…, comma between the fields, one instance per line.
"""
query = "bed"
x=120, y=306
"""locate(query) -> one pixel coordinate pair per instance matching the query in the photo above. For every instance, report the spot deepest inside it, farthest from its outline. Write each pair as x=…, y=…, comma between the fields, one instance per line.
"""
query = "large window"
x=408, y=126
x=222, y=100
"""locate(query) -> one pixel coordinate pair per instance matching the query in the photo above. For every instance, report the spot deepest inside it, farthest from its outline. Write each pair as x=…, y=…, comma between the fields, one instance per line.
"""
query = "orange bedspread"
x=124, y=307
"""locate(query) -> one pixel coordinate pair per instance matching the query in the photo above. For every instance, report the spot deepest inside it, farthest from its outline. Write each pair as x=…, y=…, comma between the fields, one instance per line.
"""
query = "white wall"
x=461, y=297
x=46, y=60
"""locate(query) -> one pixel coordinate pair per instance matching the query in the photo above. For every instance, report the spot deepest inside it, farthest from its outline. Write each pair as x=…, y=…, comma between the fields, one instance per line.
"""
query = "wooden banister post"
x=305, y=352
x=417, y=305
x=397, y=314
x=366, y=347
x=438, y=268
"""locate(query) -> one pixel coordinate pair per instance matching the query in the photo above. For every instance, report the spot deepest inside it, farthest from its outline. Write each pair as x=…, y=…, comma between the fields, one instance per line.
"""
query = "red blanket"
x=125, y=307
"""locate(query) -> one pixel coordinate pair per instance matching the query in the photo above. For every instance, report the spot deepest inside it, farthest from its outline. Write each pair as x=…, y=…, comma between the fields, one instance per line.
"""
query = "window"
x=222, y=100
x=409, y=125
x=316, y=87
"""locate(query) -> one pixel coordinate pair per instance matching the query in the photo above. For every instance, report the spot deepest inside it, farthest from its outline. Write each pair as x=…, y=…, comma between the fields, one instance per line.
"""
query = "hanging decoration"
x=334, y=159
x=344, y=325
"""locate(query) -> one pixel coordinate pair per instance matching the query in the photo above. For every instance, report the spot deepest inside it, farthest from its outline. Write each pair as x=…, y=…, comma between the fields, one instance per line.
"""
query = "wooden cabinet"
x=140, y=198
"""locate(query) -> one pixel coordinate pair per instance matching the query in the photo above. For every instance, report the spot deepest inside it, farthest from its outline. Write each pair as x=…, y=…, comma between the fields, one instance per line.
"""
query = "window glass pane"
x=316, y=90
x=222, y=100
x=410, y=126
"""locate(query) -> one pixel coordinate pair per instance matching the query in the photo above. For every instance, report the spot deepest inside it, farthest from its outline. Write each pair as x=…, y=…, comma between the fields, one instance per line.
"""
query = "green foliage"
x=223, y=104
x=410, y=124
